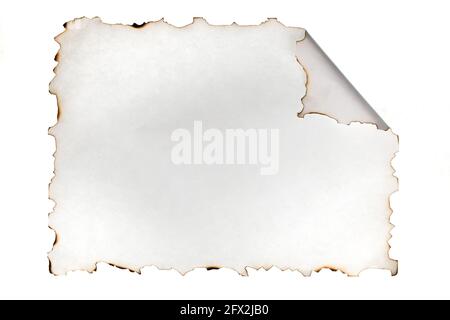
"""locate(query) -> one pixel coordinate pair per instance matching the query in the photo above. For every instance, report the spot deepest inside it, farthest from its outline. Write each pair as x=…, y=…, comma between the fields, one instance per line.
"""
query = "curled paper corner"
x=328, y=91
x=317, y=69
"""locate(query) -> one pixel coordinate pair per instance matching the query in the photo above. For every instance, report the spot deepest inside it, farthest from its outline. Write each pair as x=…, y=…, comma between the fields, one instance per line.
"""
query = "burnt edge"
x=244, y=272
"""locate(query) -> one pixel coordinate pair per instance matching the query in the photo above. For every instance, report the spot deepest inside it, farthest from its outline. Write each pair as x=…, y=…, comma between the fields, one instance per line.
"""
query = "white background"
x=395, y=52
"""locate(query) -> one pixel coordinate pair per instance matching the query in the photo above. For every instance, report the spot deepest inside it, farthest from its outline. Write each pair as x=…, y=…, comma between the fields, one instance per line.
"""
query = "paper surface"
x=192, y=147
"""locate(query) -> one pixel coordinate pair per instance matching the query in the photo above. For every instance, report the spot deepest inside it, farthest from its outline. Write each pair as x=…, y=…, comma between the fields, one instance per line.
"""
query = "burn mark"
x=50, y=266
x=210, y=268
x=56, y=239
x=137, y=26
x=299, y=114
x=334, y=269
x=121, y=267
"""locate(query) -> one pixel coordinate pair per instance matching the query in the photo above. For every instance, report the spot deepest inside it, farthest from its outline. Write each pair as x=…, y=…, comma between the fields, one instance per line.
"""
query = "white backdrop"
x=396, y=53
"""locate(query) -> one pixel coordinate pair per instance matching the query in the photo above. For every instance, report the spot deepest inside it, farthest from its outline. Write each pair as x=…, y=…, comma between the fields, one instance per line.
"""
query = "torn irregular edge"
x=380, y=125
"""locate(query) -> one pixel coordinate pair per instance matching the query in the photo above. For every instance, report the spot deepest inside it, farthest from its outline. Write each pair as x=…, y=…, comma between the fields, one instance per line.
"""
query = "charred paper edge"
x=301, y=114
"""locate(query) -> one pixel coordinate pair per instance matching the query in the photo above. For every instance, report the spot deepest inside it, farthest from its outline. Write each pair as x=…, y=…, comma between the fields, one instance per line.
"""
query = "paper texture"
x=192, y=147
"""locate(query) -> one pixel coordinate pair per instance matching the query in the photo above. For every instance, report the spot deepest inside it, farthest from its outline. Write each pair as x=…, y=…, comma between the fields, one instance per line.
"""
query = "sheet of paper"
x=214, y=146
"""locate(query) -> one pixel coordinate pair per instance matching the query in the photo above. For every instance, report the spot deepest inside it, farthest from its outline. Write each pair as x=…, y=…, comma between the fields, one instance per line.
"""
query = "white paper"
x=189, y=147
